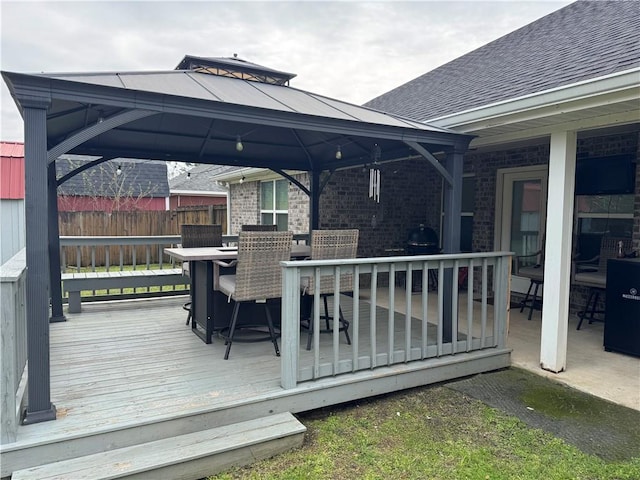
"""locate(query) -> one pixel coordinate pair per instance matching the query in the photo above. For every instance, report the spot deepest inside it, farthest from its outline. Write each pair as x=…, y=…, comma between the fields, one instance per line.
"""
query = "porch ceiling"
x=196, y=117
x=600, y=103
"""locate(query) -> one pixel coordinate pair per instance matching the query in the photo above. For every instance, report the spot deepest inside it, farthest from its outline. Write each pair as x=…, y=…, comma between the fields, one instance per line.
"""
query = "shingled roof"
x=584, y=40
x=138, y=178
x=200, y=178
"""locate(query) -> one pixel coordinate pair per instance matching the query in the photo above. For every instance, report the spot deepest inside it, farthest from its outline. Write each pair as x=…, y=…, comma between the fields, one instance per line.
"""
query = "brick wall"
x=485, y=167
x=411, y=193
x=245, y=205
x=299, y=205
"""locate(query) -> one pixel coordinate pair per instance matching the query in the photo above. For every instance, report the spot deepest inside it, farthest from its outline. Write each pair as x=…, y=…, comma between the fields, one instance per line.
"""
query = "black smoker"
x=423, y=241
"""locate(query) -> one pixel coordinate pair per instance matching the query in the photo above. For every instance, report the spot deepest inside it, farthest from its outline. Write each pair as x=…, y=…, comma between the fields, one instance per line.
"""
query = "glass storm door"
x=522, y=219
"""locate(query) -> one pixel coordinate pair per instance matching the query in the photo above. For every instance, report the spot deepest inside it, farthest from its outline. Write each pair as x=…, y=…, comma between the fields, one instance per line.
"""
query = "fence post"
x=290, y=326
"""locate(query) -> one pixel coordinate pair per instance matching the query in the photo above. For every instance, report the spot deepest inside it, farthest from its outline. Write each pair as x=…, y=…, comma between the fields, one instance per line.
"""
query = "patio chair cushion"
x=227, y=284
x=533, y=273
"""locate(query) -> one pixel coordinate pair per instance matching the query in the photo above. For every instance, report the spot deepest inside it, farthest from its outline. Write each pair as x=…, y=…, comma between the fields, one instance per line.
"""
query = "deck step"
x=185, y=457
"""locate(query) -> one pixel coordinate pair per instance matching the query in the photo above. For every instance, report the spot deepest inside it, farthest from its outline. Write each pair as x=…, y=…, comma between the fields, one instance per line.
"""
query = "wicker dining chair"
x=259, y=228
x=258, y=278
x=325, y=245
x=194, y=236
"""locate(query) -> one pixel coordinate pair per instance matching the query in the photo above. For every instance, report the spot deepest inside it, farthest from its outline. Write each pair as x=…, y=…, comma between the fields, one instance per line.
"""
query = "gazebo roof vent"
x=236, y=68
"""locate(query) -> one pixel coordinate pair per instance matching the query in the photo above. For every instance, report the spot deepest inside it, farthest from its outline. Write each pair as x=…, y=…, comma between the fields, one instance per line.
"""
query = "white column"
x=557, y=259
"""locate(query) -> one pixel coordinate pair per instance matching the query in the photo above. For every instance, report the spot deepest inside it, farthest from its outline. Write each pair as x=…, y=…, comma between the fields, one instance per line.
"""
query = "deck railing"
x=476, y=311
x=13, y=349
x=118, y=252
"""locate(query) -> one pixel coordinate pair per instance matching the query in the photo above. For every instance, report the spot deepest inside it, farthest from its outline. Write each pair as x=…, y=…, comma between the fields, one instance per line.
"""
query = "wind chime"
x=374, y=174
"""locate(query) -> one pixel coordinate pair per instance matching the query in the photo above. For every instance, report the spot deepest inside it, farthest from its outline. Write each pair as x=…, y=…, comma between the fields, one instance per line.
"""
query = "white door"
x=521, y=196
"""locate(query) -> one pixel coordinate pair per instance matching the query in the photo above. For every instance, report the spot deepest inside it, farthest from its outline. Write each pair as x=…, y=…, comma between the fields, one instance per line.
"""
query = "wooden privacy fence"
x=131, y=224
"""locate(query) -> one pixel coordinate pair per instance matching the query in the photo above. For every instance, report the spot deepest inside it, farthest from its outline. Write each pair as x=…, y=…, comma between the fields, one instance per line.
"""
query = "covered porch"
x=609, y=375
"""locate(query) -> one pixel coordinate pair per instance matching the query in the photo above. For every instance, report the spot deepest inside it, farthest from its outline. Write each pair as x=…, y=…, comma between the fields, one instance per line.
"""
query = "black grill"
x=422, y=241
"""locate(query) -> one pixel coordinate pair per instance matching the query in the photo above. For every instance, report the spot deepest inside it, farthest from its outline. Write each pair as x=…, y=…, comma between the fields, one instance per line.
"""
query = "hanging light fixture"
x=119, y=170
x=242, y=179
x=338, y=153
x=188, y=175
x=239, y=146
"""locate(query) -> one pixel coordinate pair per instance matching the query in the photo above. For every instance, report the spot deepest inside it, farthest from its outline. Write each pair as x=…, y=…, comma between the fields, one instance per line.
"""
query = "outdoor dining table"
x=210, y=308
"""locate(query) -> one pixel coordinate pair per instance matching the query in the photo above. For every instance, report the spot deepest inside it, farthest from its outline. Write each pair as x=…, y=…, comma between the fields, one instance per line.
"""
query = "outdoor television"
x=615, y=174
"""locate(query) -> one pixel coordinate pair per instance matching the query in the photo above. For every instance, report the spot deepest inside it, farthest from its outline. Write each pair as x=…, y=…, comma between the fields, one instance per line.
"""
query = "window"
x=274, y=204
x=600, y=215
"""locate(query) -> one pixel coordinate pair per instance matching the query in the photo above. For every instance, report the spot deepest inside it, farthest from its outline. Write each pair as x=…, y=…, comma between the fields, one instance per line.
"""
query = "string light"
x=242, y=179
x=188, y=175
x=239, y=146
x=119, y=170
x=338, y=153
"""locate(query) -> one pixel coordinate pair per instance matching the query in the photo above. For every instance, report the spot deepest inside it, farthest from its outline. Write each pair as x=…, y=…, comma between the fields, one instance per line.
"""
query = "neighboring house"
x=11, y=199
x=117, y=185
x=559, y=94
x=197, y=187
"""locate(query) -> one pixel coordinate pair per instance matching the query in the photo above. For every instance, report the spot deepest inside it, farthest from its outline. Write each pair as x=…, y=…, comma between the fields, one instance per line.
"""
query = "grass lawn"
x=429, y=433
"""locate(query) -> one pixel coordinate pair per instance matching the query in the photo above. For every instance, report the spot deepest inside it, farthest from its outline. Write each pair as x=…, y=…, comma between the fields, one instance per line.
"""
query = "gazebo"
x=222, y=111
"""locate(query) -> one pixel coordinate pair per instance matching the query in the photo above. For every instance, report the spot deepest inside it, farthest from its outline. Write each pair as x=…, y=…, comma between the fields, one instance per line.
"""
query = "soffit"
x=599, y=103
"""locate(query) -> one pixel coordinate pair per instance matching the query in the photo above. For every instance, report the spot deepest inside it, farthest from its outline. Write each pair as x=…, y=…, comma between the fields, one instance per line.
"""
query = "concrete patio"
x=608, y=375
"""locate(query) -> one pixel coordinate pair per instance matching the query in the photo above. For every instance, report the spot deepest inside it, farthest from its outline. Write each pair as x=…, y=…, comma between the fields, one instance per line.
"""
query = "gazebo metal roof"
x=197, y=117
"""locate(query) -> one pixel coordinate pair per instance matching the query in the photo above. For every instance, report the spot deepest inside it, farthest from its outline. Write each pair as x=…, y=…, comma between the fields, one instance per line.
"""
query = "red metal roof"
x=11, y=170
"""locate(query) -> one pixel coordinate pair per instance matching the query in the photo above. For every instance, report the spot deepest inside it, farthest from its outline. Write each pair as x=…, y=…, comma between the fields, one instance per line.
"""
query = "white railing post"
x=13, y=347
x=290, y=326
x=501, y=298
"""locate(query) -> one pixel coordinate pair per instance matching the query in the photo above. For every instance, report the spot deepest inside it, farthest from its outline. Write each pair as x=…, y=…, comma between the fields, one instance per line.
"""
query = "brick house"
x=554, y=97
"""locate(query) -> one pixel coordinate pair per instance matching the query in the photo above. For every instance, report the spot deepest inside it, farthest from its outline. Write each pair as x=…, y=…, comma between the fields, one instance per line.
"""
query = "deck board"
x=126, y=362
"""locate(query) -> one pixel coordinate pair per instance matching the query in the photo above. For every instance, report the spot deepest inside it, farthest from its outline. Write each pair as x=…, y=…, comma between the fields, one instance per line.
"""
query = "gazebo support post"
x=314, y=200
x=39, y=408
x=57, y=315
x=451, y=231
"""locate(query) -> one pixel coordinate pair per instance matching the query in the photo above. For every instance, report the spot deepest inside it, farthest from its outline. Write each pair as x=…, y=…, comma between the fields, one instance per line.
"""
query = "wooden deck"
x=124, y=373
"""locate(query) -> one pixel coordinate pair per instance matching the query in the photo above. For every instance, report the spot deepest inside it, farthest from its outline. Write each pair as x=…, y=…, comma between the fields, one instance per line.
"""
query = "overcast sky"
x=349, y=50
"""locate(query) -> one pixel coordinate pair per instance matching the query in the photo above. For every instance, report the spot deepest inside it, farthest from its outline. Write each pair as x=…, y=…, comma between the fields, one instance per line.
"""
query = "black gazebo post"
x=451, y=232
x=55, y=291
x=314, y=200
x=39, y=408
